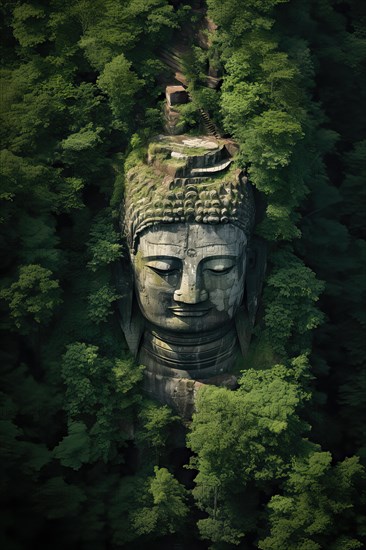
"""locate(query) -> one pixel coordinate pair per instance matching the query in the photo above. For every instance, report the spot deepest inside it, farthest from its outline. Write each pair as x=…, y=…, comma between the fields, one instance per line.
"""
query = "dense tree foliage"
x=87, y=461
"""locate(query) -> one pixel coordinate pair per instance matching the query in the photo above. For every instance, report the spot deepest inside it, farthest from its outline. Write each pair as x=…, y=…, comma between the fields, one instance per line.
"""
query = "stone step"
x=181, y=78
x=172, y=52
x=212, y=133
x=212, y=169
x=172, y=58
x=171, y=63
x=206, y=160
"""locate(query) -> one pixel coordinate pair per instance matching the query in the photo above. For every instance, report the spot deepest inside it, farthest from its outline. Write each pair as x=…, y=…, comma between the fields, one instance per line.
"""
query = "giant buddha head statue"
x=187, y=220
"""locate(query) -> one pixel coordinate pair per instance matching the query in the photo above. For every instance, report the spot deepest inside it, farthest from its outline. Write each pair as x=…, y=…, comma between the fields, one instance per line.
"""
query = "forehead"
x=177, y=239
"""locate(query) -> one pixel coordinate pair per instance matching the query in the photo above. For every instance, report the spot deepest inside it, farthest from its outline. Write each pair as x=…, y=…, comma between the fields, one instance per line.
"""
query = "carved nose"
x=190, y=291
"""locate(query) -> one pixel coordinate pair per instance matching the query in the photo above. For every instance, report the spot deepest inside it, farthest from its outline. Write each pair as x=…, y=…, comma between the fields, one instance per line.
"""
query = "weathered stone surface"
x=190, y=277
x=188, y=232
x=176, y=95
x=179, y=393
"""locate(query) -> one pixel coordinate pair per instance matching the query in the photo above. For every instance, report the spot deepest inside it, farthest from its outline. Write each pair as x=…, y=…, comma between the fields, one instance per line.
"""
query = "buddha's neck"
x=195, y=356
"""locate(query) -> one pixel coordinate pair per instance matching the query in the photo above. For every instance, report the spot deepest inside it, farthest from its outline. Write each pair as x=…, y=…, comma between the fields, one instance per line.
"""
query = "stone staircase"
x=173, y=58
x=210, y=127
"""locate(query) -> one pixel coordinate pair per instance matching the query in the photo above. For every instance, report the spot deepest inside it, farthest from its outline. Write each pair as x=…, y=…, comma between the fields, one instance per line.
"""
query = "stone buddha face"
x=189, y=278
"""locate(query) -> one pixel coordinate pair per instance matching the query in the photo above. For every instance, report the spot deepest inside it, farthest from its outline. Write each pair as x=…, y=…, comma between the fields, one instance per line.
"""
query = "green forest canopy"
x=87, y=460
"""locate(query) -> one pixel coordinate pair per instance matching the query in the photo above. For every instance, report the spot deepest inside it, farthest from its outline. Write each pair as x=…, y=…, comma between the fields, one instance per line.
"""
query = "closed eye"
x=219, y=270
x=163, y=272
x=163, y=266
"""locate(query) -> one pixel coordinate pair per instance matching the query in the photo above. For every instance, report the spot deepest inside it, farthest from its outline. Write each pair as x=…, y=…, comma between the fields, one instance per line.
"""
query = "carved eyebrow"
x=163, y=266
x=198, y=247
x=227, y=245
x=163, y=257
x=221, y=257
x=163, y=244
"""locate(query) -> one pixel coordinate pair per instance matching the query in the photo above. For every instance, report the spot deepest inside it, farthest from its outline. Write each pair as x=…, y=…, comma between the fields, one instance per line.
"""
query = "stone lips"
x=179, y=201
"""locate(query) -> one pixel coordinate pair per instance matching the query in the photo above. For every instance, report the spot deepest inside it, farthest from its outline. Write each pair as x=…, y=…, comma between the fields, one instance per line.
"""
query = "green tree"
x=121, y=84
x=291, y=295
x=32, y=298
x=168, y=509
x=156, y=423
x=243, y=438
x=103, y=389
x=320, y=507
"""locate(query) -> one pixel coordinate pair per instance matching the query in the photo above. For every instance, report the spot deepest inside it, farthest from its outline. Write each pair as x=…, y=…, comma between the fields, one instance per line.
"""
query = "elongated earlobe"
x=254, y=277
x=255, y=270
x=243, y=328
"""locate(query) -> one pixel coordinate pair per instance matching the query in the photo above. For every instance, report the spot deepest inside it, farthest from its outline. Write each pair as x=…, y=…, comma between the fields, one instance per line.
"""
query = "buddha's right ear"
x=131, y=320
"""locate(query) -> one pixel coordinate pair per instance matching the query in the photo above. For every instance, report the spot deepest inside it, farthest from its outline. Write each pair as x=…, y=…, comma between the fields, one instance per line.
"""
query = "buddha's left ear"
x=254, y=277
x=255, y=271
